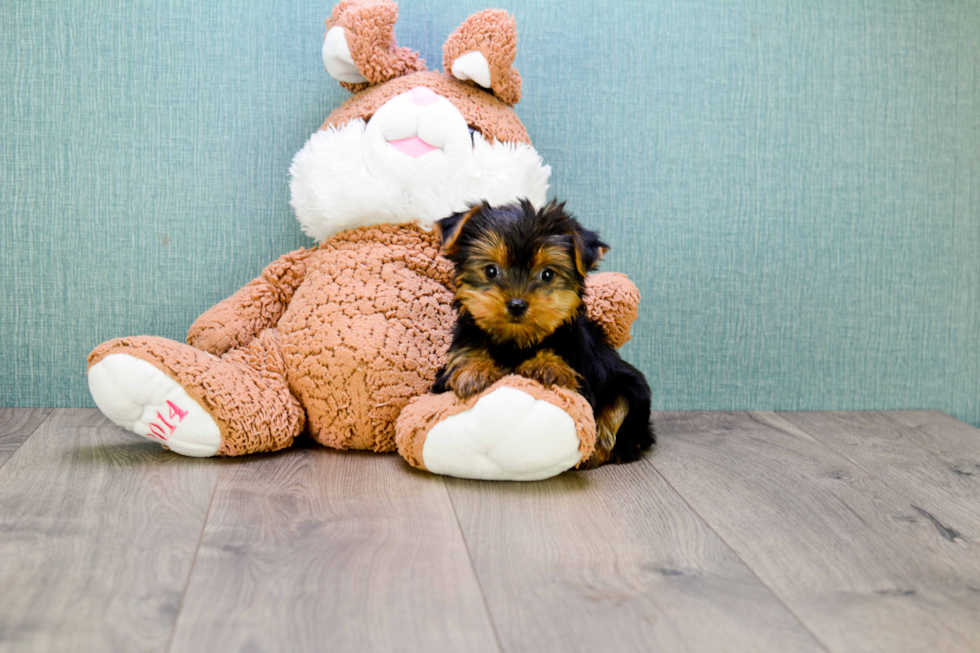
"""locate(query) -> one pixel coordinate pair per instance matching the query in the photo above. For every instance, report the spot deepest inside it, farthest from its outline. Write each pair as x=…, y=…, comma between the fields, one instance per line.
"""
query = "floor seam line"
x=29, y=436
x=476, y=576
x=190, y=573
x=799, y=620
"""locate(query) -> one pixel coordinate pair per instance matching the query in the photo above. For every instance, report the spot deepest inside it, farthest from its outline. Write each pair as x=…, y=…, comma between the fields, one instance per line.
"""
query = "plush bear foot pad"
x=508, y=435
x=140, y=398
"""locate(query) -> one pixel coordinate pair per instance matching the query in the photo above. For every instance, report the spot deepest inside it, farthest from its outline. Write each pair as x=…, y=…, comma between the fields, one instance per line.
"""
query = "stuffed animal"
x=343, y=340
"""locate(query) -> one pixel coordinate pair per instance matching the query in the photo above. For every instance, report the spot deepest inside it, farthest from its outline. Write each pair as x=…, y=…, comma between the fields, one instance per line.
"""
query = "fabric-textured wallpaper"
x=795, y=187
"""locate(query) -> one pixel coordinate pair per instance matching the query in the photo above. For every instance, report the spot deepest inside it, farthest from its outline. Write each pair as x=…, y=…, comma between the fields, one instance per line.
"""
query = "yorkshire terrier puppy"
x=520, y=280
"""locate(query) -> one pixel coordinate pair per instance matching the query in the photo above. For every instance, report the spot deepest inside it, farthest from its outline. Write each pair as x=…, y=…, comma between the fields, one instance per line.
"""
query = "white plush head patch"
x=415, y=161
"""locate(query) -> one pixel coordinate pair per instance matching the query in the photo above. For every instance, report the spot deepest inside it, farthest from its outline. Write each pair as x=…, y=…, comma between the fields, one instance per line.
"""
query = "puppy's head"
x=519, y=272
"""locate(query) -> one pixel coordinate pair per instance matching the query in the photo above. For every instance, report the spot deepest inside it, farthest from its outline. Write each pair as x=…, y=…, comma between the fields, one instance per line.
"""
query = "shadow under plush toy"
x=344, y=339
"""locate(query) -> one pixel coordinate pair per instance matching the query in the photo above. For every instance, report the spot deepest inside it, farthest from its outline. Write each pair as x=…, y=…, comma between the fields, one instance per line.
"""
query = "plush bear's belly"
x=364, y=334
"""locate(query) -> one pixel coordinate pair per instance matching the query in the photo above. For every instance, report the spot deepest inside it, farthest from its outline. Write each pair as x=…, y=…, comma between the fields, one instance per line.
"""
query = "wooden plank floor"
x=739, y=532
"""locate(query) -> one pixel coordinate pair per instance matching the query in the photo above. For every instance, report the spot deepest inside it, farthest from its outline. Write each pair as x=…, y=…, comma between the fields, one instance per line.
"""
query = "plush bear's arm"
x=235, y=321
x=613, y=301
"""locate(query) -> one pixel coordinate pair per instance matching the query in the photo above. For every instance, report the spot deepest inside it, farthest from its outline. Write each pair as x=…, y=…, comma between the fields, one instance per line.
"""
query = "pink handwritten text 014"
x=161, y=428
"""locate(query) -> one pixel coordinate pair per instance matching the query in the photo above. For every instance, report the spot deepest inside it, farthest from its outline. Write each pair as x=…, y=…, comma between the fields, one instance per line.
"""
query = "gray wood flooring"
x=740, y=532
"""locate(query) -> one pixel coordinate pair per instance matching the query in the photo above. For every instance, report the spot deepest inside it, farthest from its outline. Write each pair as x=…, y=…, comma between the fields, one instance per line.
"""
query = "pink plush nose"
x=422, y=96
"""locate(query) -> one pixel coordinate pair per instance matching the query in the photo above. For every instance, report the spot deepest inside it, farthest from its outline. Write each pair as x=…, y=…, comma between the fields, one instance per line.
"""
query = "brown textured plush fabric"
x=494, y=33
x=366, y=332
x=425, y=411
x=369, y=26
x=613, y=301
x=494, y=118
x=244, y=391
x=233, y=322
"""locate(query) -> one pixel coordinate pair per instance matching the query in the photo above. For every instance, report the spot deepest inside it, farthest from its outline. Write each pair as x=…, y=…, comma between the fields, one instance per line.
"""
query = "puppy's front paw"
x=473, y=376
x=547, y=368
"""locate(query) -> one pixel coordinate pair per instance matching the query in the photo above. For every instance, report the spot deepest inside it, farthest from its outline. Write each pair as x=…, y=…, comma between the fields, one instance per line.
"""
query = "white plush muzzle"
x=415, y=161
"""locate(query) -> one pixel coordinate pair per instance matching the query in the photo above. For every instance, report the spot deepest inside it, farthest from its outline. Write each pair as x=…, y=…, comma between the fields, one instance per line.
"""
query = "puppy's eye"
x=473, y=134
x=491, y=271
x=547, y=275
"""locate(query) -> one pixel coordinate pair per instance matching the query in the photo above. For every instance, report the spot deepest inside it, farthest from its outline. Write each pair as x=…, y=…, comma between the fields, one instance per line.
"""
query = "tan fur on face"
x=546, y=312
x=551, y=256
x=548, y=307
x=607, y=425
x=489, y=250
x=548, y=369
x=472, y=371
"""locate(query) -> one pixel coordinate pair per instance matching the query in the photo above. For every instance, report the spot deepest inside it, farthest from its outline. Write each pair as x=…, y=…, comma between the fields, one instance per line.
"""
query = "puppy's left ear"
x=589, y=250
x=452, y=227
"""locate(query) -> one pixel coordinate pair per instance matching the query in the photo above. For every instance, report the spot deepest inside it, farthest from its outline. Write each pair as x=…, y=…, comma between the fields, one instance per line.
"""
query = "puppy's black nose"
x=517, y=307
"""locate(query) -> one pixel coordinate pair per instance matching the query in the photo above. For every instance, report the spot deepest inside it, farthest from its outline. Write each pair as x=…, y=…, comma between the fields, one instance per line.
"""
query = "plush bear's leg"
x=194, y=403
x=516, y=430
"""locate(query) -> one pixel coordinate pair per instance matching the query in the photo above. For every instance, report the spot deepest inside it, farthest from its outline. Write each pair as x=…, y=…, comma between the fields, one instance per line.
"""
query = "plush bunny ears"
x=360, y=50
x=482, y=50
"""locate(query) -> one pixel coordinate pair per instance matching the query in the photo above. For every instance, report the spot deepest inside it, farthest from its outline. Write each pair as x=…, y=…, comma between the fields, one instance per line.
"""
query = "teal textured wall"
x=795, y=187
